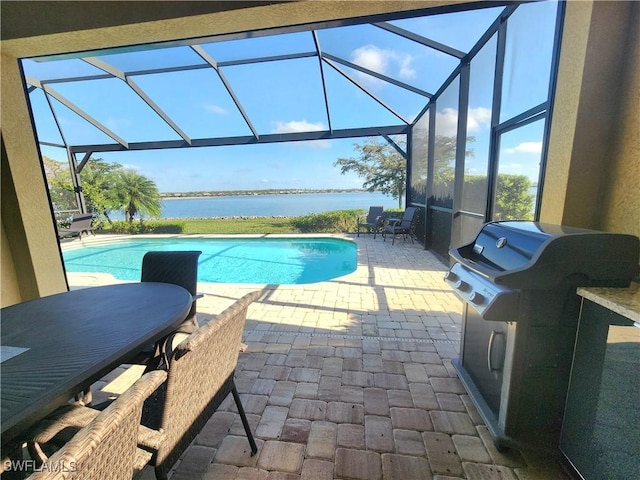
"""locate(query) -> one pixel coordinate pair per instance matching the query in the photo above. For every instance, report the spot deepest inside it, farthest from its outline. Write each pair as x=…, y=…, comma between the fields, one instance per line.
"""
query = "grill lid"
x=522, y=254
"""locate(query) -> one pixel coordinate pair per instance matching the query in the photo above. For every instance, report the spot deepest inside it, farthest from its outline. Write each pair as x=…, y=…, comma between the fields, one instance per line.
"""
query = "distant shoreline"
x=270, y=205
x=235, y=193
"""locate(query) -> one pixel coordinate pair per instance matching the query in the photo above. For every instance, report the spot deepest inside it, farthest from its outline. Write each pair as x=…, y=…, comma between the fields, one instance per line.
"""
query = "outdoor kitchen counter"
x=623, y=301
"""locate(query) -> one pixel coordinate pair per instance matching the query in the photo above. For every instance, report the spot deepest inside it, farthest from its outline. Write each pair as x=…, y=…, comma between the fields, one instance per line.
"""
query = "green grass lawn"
x=240, y=225
x=341, y=221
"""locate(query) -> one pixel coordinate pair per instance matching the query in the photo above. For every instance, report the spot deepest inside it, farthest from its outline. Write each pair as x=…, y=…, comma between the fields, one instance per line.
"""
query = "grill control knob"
x=462, y=285
x=450, y=276
x=476, y=298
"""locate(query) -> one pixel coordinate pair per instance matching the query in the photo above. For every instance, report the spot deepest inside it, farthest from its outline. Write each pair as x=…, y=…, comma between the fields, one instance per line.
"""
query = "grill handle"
x=492, y=338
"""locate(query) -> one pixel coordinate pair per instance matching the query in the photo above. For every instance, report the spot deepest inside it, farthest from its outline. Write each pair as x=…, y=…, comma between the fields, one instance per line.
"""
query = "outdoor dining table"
x=56, y=346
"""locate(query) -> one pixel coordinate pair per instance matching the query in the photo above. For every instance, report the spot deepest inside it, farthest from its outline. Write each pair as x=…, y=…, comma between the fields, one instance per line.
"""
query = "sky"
x=287, y=96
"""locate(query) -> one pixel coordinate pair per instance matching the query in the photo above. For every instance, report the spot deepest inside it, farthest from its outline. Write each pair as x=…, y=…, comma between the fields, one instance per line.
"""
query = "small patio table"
x=56, y=346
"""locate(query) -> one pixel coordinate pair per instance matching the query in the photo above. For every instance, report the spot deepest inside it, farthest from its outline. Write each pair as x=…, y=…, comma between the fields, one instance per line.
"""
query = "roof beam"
x=421, y=40
x=324, y=83
x=77, y=110
x=84, y=161
x=211, y=61
x=51, y=144
x=250, y=140
x=35, y=84
x=420, y=9
x=397, y=147
x=393, y=81
x=178, y=68
x=273, y=58
x=111, y=70
x=361, y=87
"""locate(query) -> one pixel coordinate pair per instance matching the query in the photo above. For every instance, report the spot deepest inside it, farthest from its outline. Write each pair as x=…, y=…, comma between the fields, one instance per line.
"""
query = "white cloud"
x=372, y=58
x=447, y=122
x=478, y=118
x=406, y=72
x=215, y=109
x=298, y=126
x=295, y=126
x=525, y=147
x=383, y=61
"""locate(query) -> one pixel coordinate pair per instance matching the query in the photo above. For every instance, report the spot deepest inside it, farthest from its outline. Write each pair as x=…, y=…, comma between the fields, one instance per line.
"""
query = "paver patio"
x=351, y=379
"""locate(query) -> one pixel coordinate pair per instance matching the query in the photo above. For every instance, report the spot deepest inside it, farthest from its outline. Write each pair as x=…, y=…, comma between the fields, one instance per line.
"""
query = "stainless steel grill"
x=518, y=283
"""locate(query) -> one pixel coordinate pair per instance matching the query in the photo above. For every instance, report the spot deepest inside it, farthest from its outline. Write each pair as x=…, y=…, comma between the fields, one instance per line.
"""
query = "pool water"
x=255, y=260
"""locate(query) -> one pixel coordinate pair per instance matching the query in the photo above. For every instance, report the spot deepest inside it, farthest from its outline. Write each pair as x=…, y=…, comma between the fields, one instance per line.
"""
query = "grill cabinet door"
x=483, y=355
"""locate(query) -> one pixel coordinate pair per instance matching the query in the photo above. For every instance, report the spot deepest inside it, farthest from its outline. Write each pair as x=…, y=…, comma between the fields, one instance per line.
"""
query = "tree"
x=98, y=183
x=134, y=193
x=382, y=167
x=513, y=200
x=60, y=185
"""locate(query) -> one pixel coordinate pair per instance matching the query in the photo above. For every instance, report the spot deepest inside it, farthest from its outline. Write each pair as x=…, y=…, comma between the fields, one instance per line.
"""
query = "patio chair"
x=178, y=268
x=201, y=370
x=107, y=447
x=373, y=221
x=400, y=226
x=200, y=377
x=175, y=267
x=79, y=225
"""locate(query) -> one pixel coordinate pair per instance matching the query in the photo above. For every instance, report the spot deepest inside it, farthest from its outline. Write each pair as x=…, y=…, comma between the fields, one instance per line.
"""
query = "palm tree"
x=135, y=193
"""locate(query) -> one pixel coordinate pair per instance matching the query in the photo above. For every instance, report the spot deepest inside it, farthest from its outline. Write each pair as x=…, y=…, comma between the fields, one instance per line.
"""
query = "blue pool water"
x=254, y=260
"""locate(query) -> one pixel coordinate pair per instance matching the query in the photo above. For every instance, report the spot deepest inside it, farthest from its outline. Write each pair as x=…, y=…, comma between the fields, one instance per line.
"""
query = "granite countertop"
x=624, y=301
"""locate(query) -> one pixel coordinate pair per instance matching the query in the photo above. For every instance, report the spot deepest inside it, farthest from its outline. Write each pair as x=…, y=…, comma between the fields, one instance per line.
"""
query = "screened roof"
x=302, y=83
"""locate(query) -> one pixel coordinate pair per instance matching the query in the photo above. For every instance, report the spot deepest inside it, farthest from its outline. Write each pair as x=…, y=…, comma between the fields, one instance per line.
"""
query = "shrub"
x=340, y=221
x=514, y=200
x=147, y=227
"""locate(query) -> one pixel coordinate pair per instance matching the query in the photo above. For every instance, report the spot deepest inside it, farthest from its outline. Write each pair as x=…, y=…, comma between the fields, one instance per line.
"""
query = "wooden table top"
x=70, y=340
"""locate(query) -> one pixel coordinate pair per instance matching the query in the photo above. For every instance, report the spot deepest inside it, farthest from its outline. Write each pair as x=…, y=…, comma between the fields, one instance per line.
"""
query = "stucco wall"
x=592, y=169
x=26, y=213
x=621, y=202
x=10, y=292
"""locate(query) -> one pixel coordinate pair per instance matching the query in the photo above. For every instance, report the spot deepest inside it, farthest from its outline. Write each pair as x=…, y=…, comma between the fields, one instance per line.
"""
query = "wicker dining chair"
x=175, y=267
x=201, y=370
x=200, y=377
x=106, y=448
x=179, y=268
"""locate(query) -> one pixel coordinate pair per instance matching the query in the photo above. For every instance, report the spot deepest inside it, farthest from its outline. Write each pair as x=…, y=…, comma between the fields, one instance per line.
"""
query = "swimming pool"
x=283, y=261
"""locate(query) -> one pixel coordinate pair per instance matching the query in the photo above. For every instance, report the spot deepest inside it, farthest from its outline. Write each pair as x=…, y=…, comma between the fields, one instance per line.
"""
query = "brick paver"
x=296, y=430
x=408, y=442
x=313, y=469
x=358, y=464
x=452, y=422
x=322, y=440
x=378, y=433
x=351, y=379
x=281, y=456
x=411, y=419
x=404, y=467
x=272, y=422
x=351, y=436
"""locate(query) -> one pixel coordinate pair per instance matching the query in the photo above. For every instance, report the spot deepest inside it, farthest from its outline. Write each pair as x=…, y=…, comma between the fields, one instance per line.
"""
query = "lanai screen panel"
x=321, y=81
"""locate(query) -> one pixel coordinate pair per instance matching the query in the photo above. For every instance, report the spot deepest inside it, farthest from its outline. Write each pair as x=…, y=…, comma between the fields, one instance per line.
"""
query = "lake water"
x=288, y=205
